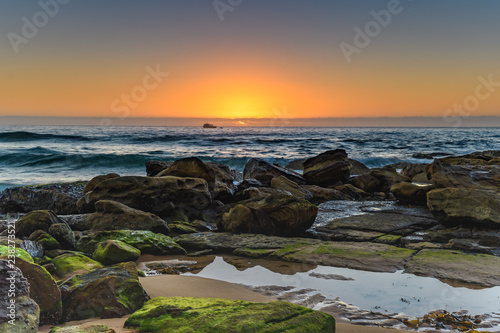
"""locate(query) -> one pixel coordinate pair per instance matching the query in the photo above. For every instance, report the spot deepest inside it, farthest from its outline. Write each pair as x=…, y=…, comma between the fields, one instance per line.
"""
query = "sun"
x=242, y=106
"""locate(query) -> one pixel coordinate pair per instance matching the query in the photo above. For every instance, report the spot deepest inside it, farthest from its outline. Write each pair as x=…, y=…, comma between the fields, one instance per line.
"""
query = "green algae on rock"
x=43, y=290
x=112, y=252
x=146, y=241
x=69, y=264
x=451, y=265
x=186, y=314
x=5, y=251
x=108, y=292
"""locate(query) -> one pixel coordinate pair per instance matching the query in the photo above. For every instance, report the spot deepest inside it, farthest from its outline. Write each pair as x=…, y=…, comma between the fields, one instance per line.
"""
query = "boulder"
x=285, y=184
x=444, y=175
x=411, y=194
x=174, y=314
x=82, y=328
x=7, y=251
x=467, y=206
x=264, y=172
x=163, y=196
x=63, y=234
x=296, y=164
x=322, y=194
x=218, y=176
x=113, y=252
x=326, y=169
x=70, y=264
x=23, y=316
x=366, y=182
x=353, y=193
x=43, y=290
x=112, y=215
x=247, y=183
x=388, y=176
x=258, y=192
x=97, y=180
x=154, y=167
x=46, y=240
x=60, y=198
x=36, y=220
x=357, y=168
x=146, y=241
x=109, y=292
x=183, y=227
x=275, y=215
x=410, y=170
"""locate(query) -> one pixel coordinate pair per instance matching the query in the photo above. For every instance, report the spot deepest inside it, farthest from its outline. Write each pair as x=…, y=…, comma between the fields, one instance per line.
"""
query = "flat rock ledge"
x=481, y=270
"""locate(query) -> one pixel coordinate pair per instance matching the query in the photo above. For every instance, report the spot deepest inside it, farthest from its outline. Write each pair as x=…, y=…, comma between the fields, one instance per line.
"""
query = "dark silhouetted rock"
x=264, y=172
x=326, y=169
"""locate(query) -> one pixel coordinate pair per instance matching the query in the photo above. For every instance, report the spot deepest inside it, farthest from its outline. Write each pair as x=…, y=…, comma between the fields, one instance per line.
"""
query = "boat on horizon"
x=207, y=125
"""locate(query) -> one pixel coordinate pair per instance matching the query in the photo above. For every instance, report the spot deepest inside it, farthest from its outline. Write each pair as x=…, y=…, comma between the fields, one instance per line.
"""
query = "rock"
x=357, y=168
x=322, y=194
x=285, y=184
x=351, y=192
x=36, y=220
x=386, y=222
x=329, y=168
x=467, y=206
x=429, y=156
x=182, y=227
x=71, y=264
x=174, y=314
x=258, y=192
x=366, y=182
x=163, y=196
x=421, y=178
x=153, y=168
x=113, y=252
x=411, y=194
x=6, y=251
x=479, y=269
x=264, y=172
x=146, y=241
x=46, y=240
x=218, y=176
x=97, y=180
x=354, y=255
x=465, y=176
x=248, y=183
x=43, y=290
x=23, y=316
x=63, y=234
x=60, y=198
x=109, y=292
x=410, y=170
x=388, y=177
x=296, y=164
x=275, y=215
x=112, y=215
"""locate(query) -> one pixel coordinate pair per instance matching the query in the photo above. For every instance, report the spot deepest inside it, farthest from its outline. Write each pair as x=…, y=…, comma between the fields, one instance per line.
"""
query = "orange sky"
x=84, y=62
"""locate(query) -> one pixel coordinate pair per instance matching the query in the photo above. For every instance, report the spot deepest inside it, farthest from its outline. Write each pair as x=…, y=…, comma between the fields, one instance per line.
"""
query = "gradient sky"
x=265, y=59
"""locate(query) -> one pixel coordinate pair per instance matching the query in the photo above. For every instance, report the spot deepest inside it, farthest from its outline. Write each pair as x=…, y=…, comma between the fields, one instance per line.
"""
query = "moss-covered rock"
x=23, y=316
x=112, y=252
x=45, y=239
x=70, y=264
x=451, y=265
x=43, y=290
x=109, y=292
x=63, y=234
x=35, y=220
x=185, y=314
x=146, y=241
x=6, y=251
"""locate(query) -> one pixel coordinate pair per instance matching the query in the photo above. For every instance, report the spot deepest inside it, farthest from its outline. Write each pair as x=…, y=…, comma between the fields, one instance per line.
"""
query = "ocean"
x=46, y=154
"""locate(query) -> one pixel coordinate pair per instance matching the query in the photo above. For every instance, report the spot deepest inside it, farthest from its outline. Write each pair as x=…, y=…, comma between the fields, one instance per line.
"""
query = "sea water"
x=47, y=154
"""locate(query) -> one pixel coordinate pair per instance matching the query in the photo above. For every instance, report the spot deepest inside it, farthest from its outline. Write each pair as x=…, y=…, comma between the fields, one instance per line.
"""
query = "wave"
x=30, y=136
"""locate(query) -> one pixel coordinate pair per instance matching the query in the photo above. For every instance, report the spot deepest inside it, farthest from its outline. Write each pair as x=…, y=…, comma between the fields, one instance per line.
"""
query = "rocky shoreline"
x=76, y=243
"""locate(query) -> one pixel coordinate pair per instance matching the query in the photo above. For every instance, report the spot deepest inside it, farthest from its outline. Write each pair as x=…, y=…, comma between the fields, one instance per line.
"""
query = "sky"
x=250, y=58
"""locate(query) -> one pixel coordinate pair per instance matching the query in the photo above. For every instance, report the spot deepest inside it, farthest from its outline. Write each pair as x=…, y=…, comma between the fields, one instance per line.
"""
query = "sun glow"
x=241, y=106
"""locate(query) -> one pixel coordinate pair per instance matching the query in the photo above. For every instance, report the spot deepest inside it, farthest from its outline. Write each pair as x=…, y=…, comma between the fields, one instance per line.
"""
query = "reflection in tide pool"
x=380, y=292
